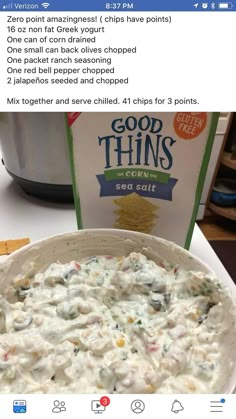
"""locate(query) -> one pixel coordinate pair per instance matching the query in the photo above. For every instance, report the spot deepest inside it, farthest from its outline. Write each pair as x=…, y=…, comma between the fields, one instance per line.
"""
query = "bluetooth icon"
x=213, y=6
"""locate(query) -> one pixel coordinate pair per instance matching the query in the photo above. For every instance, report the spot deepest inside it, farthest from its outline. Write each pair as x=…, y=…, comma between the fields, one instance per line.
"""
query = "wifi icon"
x=45, y=5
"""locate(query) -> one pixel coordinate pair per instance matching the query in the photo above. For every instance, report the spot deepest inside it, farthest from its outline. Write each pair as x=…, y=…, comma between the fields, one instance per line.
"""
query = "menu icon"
x=217, y=406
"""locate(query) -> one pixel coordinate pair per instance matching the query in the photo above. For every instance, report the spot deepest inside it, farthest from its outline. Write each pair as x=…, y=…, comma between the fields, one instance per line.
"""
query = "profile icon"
x=137, y=406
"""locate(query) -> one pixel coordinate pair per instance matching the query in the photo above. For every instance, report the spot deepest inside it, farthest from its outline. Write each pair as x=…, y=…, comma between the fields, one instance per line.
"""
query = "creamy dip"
x=112, y=325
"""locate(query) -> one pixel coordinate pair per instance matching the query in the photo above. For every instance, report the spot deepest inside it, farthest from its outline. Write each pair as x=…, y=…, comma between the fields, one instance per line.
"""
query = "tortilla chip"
x=13, y=245
x=3, y=248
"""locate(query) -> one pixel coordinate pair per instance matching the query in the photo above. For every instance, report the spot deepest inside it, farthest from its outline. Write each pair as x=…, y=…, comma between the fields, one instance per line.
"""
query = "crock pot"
x=35, y=153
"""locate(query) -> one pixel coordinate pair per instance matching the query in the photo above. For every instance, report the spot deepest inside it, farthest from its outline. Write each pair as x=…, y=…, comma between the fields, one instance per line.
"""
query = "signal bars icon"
x=45, y=5
x=8, y=6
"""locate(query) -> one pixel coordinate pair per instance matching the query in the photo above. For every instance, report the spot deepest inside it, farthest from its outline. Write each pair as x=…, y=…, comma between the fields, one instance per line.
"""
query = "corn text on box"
x=140, y=171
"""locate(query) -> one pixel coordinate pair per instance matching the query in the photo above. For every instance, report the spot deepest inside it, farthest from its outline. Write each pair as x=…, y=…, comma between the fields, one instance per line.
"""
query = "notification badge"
x=105, y=401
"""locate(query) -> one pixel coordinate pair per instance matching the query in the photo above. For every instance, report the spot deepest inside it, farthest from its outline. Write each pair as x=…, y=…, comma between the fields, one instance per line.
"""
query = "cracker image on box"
x=135, y=213
x=140, y=171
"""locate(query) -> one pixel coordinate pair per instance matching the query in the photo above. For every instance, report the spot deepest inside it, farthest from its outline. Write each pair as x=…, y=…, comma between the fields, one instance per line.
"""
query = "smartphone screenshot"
x=117, y=209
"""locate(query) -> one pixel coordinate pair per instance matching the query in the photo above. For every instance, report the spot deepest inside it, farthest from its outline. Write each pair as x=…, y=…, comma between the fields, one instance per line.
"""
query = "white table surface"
x=22, y=216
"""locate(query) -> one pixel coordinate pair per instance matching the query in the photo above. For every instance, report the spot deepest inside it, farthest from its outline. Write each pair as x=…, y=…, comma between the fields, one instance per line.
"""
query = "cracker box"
x=140, y=171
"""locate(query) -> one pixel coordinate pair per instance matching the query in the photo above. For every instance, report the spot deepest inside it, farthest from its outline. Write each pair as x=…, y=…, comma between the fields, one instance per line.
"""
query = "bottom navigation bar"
x=75, y=406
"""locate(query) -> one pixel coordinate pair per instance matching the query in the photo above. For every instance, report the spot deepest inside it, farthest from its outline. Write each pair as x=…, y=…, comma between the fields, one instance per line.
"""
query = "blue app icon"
x=19, y=406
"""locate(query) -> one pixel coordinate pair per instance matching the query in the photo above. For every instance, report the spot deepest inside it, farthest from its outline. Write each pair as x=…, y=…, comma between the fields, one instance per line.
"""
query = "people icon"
x=58, y=407
x=137, y=406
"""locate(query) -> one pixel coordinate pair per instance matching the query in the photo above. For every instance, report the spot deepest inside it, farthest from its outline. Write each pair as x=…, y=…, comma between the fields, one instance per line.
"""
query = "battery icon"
x=224, y=6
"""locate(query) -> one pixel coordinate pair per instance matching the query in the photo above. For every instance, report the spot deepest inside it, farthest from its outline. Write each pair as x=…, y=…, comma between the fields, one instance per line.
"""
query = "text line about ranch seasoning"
x=98, y=60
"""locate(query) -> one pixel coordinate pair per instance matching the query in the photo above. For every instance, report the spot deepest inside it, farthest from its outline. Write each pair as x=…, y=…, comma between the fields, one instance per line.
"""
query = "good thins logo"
x=189, y=125
x=72, y=116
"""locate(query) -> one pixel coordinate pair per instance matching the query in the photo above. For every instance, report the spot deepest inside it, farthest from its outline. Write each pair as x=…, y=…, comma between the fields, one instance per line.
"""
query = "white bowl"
x=74, y=246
